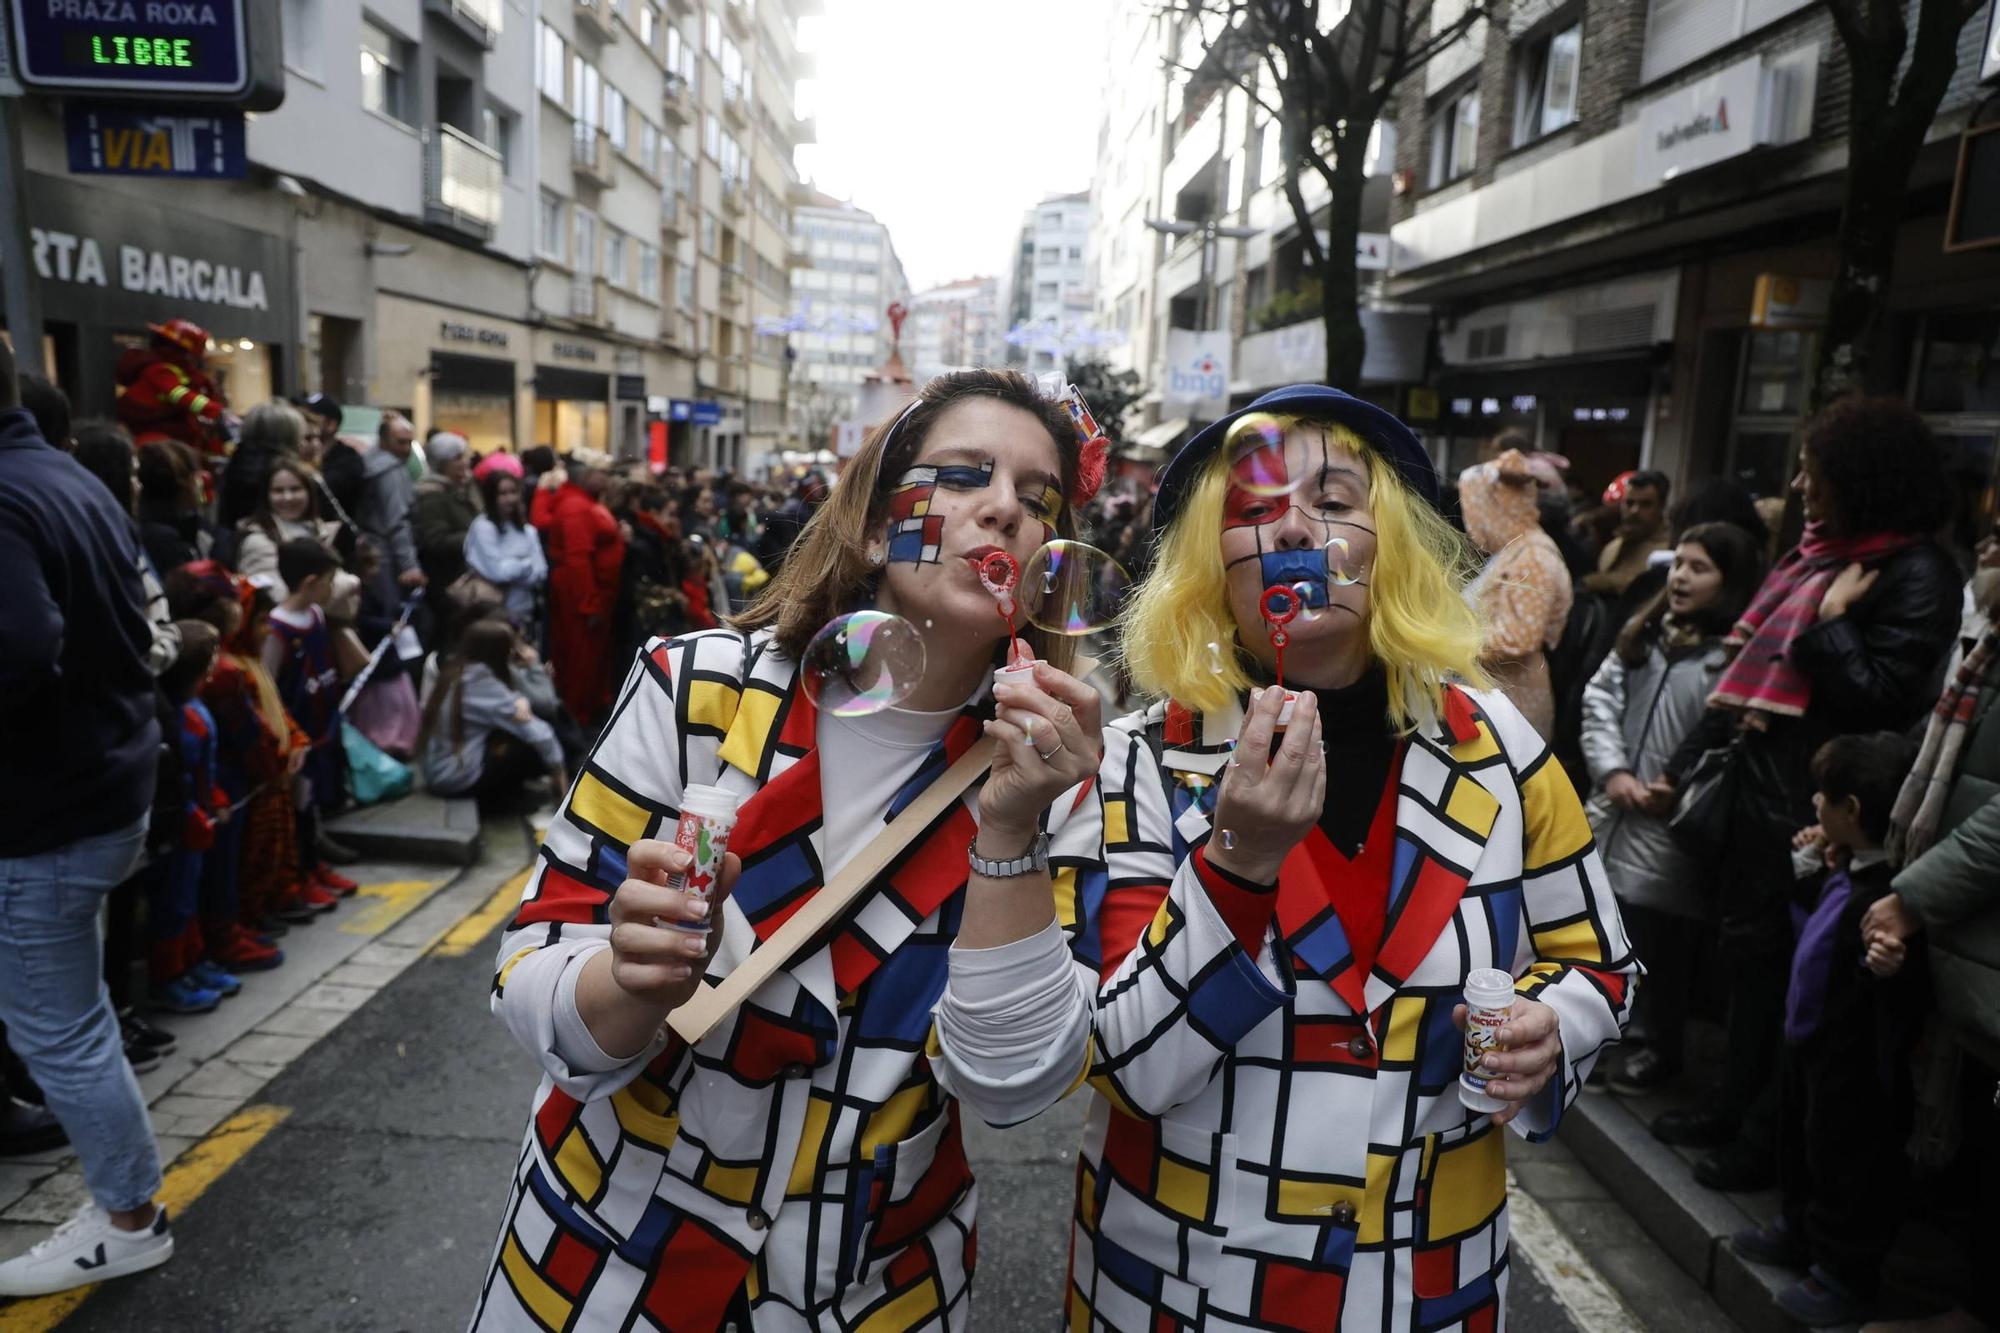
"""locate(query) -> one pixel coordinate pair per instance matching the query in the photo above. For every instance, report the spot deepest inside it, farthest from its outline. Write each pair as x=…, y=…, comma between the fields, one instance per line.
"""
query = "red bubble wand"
x=1000, y=573
x=1279, y=606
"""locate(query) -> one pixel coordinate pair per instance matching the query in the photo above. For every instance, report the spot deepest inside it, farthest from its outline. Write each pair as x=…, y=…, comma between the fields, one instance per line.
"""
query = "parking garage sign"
x=162, y=50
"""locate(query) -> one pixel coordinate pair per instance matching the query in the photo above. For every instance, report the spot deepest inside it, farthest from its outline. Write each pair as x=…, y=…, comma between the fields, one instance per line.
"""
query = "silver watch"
x=1037, y=858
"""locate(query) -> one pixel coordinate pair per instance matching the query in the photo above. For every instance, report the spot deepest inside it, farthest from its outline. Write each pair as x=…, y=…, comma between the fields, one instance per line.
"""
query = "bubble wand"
x=1000, y=573
x=1280, y=606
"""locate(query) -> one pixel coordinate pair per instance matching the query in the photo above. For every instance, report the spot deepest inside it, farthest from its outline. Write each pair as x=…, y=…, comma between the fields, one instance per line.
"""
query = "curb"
x=419, y=827
x=1691, y=1222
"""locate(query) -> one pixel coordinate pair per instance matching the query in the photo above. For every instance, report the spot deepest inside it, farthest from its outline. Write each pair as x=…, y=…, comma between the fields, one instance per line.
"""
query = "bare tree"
x=1888, y=117
x=1325, y=87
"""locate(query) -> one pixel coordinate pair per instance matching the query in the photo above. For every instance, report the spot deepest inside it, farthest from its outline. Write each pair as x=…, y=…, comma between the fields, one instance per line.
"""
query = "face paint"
x=915, y=534
x=1303, y=571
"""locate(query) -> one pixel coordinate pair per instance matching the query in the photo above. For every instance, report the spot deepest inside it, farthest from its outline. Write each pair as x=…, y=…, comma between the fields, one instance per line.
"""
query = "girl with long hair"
x=1273, y=899
x=501, y=548
x=479, y=732
x=287, y=509
x=1645, y=698
x=800, y=1164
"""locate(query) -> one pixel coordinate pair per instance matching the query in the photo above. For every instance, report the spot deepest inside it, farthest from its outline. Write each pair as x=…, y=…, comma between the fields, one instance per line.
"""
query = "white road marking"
x=1585, y=1296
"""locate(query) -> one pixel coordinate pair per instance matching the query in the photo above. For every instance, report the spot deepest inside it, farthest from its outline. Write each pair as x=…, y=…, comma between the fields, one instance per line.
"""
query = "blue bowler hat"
x=1316, y=402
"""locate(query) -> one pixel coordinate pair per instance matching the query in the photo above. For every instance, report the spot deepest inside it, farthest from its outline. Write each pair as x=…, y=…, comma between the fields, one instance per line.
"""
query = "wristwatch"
x=1036, y=858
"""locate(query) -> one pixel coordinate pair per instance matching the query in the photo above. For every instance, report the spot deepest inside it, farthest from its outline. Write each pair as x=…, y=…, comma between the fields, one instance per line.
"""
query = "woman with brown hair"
x=480, y=733
x=799, y=1163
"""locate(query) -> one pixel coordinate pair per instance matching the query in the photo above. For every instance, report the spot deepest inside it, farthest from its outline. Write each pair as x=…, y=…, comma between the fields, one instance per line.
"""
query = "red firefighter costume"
x=164, y=391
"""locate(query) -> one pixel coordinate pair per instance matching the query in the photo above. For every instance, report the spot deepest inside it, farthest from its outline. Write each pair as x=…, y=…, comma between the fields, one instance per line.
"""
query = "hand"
x=1529, y=1046
x=522, y=712
x=655, y=962
x=1886, y=956
x=1266, y=806
x=1846, y=589
x=1625, y=791
x=1050, y=739
x=412, y=578
x=295, y=761
x=1660, y=798
x=1812, y=835
x=525, y=655
x=1889, y=917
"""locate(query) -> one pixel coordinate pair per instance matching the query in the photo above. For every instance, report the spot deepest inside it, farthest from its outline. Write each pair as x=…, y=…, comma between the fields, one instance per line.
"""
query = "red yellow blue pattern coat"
x=802, y=1155
x=1262, y=1153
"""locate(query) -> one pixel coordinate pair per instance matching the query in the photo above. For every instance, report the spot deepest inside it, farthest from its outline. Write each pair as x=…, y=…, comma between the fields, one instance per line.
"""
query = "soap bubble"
x=1228, y=837
x=1341, y=570
x=862, y=663
x=1304, y=592
x=1073, y=588
x=1257, y=457
x=1215, y=667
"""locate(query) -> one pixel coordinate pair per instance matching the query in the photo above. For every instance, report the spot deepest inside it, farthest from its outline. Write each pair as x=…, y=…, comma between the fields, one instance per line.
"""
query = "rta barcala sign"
x=209, y=51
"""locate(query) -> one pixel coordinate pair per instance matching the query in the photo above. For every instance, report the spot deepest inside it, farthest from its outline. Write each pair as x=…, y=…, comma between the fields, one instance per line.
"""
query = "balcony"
x=805, y=129
x=735, y=195
x=742, y=17
x=589, y=300
x=681, y=8
x=735, y=105
x=728, y=377
x=677, y=103
x=798, y=253
x=590, y=156
x=478, y=19
x=731, y=286
x=462, y=183
x=677, y=330
x=595, y=17
x=676, y=218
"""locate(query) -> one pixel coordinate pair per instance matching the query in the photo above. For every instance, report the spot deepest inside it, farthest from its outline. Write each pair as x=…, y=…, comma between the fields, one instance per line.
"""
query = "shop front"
x=111, y=262
x=454, y=370
x=573, y=378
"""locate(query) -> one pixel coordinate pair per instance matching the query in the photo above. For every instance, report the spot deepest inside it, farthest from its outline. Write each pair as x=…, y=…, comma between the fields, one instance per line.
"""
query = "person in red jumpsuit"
x=586, y=553
x=165, y=390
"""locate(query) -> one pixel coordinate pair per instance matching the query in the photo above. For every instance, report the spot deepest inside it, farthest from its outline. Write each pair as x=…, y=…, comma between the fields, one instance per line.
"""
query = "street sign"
x=159, y=50
x=125, y=140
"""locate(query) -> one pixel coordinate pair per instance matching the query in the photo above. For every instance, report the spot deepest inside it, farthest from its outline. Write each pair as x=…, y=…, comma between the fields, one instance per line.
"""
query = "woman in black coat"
x=1849, y=633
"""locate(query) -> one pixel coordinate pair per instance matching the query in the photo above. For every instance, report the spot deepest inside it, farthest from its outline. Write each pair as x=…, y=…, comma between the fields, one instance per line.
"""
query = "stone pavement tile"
x=368, y=976
x=267, y=1049
x=297, y=1021
x=56, y=1199
x=16, y=1180
x=219, y=1078
x=343, y=999
x=1550, y=1178
x=380, y=952
x=197, y=1115
x=173, y=1145
x=258, y=1069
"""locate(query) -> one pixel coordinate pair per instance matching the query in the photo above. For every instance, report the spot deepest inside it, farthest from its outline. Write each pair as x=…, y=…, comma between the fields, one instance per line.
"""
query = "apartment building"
x=1623, y=217
x=955, y=327
x=847, y=277
x=1182, y=143
x=1049, y=297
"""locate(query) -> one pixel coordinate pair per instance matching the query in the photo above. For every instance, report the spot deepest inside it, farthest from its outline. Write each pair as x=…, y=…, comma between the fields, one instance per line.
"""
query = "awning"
x=1162, y=435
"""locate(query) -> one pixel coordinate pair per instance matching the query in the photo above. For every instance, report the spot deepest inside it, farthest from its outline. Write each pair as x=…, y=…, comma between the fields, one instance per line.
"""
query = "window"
x=302, y=35
x=708, y=234
x=1051, y=254
x=549, y=228
x=1545, y=81
x=713, y=29
x=586, y=93
x=384, y=60
x=584, y=233
x=649, y=272
x=649, y=28
x=1047, y=291
x=550, y=60
x=649, y=145
x=616, y=123
x=614, y=256
x=1076, y=254
x=684, y=285
x=711, y=137
x=500, y=127
x=1454, y=136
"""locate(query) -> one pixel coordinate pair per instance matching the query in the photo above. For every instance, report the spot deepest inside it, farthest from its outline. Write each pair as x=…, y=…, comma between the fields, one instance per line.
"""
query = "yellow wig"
x=1180, y=640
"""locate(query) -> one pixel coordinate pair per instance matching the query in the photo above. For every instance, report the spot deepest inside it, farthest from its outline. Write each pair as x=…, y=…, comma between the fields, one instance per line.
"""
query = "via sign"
x=115, y=140
x=161, y=50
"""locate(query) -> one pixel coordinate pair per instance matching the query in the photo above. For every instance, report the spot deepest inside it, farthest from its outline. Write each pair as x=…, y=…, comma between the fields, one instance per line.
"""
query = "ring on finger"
x=1061, y=745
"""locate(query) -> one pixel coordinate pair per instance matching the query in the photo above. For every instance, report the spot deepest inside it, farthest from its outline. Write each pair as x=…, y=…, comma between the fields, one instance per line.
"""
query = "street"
x=370, y=1202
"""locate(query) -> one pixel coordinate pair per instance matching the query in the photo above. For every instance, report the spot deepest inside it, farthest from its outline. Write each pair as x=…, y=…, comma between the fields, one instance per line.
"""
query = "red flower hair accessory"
x=1093, y=449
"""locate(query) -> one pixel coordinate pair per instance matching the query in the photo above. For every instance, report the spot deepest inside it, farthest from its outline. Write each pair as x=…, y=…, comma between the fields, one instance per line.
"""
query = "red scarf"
x=1762, y=676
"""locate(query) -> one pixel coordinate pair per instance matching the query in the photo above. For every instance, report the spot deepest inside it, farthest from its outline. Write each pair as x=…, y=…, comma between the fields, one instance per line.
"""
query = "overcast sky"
x=947, y=118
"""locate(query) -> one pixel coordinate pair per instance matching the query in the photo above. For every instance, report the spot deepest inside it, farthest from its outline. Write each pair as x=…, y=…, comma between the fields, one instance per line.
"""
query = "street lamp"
x=1211, y=231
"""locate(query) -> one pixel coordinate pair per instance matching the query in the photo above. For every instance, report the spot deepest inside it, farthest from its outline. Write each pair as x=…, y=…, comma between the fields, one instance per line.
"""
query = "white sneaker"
x=87, y=1249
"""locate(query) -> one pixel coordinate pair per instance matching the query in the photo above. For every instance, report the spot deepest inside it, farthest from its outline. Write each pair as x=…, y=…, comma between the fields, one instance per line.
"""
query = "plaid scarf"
x=1913, y=824
x=1761, y=676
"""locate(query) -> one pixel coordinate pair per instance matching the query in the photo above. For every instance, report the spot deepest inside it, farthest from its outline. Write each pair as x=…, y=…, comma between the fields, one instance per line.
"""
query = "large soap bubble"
x=1257, y=457
x=1070, y=587
x=862, y=663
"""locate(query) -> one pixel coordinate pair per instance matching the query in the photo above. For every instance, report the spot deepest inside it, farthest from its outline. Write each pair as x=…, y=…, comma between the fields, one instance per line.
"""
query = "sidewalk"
x=223, y=1059
x=1610, y=1136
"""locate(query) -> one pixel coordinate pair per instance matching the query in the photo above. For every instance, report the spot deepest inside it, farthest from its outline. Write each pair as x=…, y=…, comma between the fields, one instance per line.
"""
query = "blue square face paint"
x=916, y=534
x=1295, y=569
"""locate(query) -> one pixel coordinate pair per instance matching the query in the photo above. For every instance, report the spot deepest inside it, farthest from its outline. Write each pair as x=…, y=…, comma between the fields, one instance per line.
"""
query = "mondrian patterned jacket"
x=1278, y=1143
x=802, y=1156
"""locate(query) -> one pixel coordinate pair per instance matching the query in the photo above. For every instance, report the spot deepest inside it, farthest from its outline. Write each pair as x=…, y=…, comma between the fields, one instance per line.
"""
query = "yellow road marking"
x=472, y=928
x=186, y=1180
x=386, y=904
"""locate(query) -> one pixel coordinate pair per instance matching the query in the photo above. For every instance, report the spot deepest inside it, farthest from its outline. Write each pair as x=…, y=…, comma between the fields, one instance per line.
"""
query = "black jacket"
x=341, y=469
x=76, y=699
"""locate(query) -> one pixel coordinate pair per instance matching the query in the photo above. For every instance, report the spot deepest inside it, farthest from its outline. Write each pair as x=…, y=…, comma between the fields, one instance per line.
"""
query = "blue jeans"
x=58, y=1011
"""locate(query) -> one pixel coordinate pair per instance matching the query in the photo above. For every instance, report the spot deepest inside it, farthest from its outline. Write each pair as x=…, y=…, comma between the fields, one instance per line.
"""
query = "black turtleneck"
x=1360, y=748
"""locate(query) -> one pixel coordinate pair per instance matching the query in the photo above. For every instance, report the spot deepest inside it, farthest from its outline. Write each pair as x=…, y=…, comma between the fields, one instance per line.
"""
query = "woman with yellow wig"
x=1268, y=905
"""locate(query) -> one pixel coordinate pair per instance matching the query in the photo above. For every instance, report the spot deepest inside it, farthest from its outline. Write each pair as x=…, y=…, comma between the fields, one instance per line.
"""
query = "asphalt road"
x=373, y=1206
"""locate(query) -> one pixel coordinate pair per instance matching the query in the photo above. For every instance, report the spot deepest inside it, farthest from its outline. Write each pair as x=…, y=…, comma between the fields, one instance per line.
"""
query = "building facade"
x=1623, y=218
x=1049, y=298
x=846, y=278
x=955, y=327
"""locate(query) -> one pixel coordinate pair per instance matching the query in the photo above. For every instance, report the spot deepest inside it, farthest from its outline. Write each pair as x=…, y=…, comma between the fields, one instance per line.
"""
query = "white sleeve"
x=1009, y=1026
